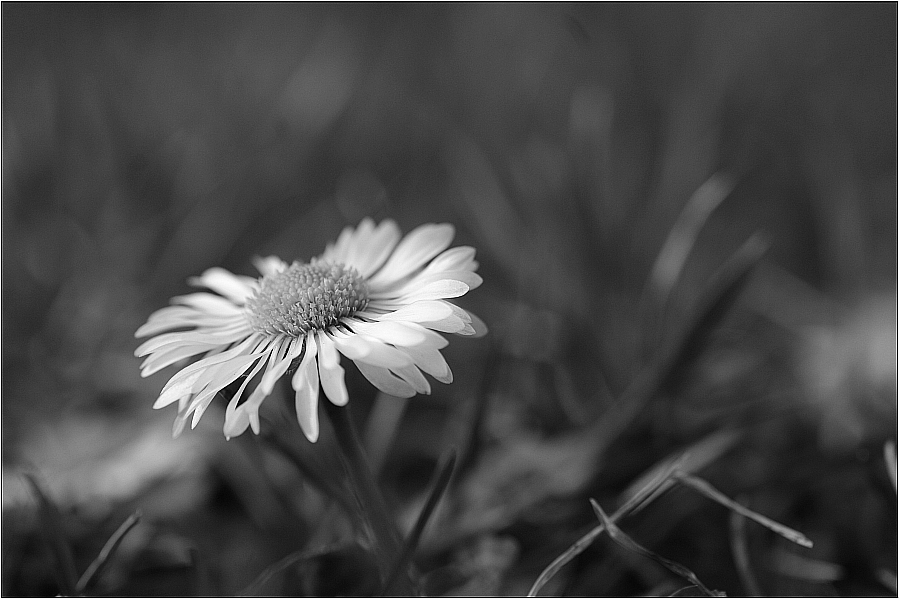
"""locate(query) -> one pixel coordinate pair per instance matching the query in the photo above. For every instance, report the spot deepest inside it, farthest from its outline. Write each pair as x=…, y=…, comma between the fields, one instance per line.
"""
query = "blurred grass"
x=143, y=144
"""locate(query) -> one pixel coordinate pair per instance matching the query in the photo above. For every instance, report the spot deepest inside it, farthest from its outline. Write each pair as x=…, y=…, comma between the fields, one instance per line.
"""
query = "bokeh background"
x=604, y=159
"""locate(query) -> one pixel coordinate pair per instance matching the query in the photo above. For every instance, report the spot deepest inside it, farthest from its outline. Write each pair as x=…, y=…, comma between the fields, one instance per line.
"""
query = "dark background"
x=144, y=143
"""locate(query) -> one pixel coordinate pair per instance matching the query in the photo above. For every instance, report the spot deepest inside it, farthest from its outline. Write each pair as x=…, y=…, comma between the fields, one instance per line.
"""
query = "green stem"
x=368, y=497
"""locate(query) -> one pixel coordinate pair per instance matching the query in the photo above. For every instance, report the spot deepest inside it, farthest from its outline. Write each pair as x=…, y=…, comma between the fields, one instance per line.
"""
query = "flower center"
x=306, y=296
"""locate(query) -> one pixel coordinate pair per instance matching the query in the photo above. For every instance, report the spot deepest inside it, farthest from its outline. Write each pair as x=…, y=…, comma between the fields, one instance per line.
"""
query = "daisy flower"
x=372, y=297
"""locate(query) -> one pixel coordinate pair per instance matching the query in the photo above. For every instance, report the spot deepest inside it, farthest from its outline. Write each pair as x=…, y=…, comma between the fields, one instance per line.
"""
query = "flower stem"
x=368, y=497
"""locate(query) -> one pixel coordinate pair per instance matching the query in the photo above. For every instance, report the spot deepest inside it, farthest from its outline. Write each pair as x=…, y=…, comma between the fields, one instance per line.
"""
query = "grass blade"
x=890, y=460
x=441, y=480
x=714, y=303
x=54, y=535
x=651, y=485
x=564, y=558
x=657, y=481
x=627, y=542
x=256, y=588
x=99, y=563
x=708, y=490
x=673, y=254
x=741, y=556
x=690, y=460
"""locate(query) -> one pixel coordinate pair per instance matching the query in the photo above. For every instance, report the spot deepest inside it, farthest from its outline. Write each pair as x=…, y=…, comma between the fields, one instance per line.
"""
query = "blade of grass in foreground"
x=442, y=477
x=890, y=460
x=54, y=536
x=99, y=563
x=627, y=542
x=663, y=373
x=680, y=241
x=660, y=477
x=700, y=485
x=741, y=556
x=690, y=460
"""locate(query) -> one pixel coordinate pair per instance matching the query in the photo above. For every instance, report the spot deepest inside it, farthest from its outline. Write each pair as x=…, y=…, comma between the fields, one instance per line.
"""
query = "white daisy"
x=370, y=297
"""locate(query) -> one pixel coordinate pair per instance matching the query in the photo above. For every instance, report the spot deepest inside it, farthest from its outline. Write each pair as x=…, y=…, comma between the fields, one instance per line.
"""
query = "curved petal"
x=458, y=258
x=361, y=348
x=306, y=387
x=432, y=362
x=411, y=290
x=368, y=255
x=441, y=289
x=249, y=412
x=384, y=381
x=213, y=338
x=331, y=374
x=236, y=420
x=394, y=332
x=184, y=380
x=414, y=378
x=234, y=287
x=269, y=265
x=421, y=311
x=478, y=325
x=177, y=317
x=209, y=303
x=413, y=252
x=338, y=251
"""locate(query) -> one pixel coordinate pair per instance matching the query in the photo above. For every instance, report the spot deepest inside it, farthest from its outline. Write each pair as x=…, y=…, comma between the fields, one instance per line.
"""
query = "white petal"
x=432, y=362
x=184, y=380
x=358, y=242
x=218, y=377
x=385, y=381
x=418, y=283
x=458, y=258
x=437, y=290
x=213, y=338
x=460, y=322
x=423, y=311
x=269, y=265
x=414, y=251
x=361, y=348
x=290, y=349
x=368, y=255
x=207, y=302
x=396, y=333
x=236, y=420
x=168, y=356
x=414, y=378
x=480, y=328
x=249, y=409
x=338, y=252
x=331, y=373
x=177, y=317
x=306, y=387
x=234, y=287
x=178, y=425
x=177, y=390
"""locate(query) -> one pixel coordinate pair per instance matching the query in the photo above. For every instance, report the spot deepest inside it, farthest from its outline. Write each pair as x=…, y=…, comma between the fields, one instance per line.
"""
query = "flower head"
x=372, y=297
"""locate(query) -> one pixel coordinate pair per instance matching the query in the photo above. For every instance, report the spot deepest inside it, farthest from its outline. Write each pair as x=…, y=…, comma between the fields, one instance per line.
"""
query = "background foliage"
x=145, y=143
